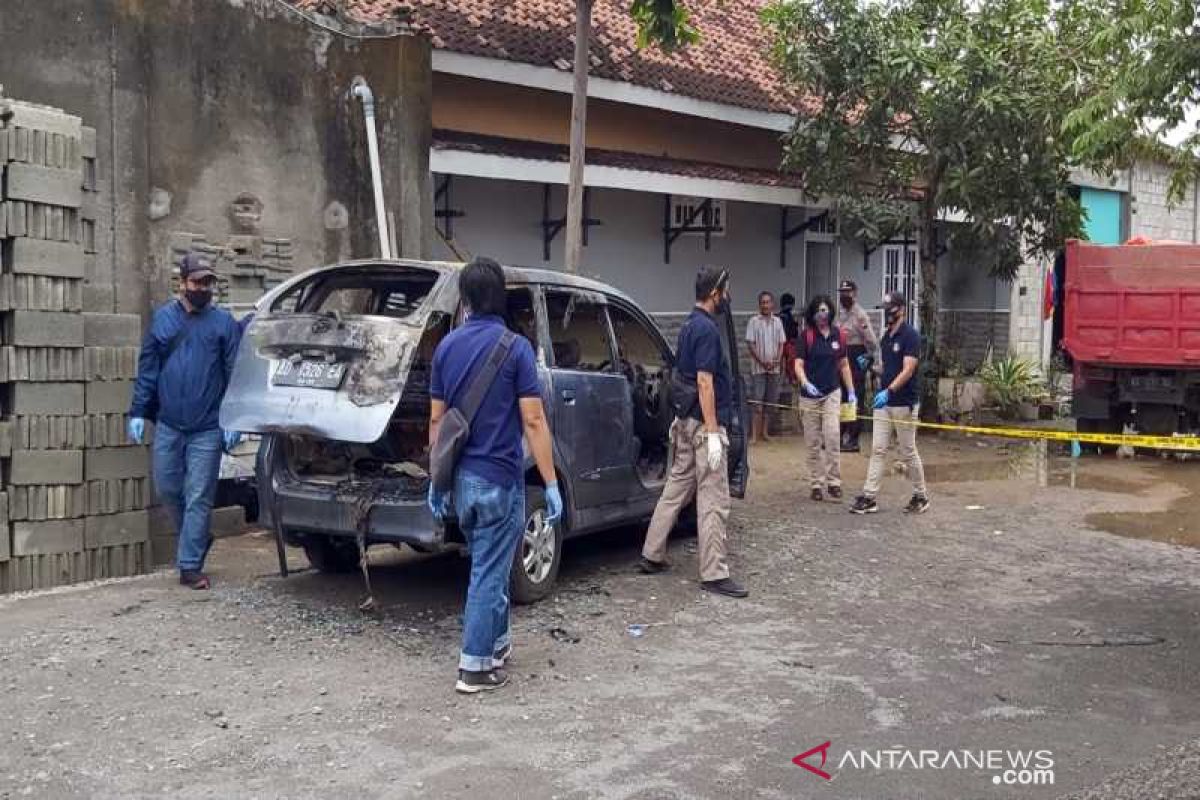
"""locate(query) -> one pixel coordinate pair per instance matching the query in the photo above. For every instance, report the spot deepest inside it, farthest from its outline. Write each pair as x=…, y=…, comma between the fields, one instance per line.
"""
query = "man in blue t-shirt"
x=489, y=482
x=896, y=407
x=699, y=443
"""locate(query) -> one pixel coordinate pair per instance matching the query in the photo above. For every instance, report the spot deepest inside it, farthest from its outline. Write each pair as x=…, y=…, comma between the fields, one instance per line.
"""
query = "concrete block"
x=37, y=503
x=108, y=397
x=111, y=330
x=38, y=432
x=162, y=549
x=98, y=296
x=40, y=257
x=118, y=561
x=47, y=538
x=40, y=293
x=228, y=521
x=118, y=495
x=110, y=430
x=87, y=142
x=43, y=118
x=116, y=529
x=4, y=515
x=116, y=462
x=6, y=437
x=40, y=184
x=43, y=329
x=111, y=363
x=41, y=364
x=5, y=543
x=34, y=467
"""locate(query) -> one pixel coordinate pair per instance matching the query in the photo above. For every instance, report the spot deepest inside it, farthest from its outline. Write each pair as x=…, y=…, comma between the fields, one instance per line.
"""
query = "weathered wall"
x=222, y=124
x=1151, y=215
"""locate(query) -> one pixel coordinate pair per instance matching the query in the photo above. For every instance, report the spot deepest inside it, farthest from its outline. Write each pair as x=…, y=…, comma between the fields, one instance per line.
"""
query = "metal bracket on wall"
x=671, y=232
x=551, y=227
x=786, y=234
x=443, y=211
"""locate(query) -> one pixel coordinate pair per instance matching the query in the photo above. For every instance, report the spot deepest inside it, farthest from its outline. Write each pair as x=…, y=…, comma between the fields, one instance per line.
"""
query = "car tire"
x=539, y=553
x=331, y=555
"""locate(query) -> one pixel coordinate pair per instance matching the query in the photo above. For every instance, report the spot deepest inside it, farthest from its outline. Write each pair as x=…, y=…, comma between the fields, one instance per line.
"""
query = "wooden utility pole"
x=583, y=31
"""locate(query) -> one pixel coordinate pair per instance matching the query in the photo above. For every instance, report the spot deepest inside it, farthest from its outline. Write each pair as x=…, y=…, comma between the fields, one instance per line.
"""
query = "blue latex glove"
x=439, y=503
x=554, y=503
x=882, y=398
x=864, y=362
x=852, y=398
x=136, y=428
x=810, y=389
x=230, y=439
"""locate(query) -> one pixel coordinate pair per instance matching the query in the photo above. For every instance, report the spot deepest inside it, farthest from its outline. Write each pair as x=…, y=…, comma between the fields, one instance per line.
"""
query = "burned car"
x=334, y=372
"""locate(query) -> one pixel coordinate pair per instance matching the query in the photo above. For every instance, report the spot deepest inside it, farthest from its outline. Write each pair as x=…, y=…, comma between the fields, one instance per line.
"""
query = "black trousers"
x=852, y=430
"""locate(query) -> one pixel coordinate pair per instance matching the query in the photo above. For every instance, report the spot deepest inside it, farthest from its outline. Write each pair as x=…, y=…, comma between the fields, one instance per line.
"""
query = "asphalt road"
x=1004, y=624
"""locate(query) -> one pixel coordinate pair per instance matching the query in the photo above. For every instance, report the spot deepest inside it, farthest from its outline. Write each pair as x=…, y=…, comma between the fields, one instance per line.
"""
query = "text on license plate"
x=309, y=374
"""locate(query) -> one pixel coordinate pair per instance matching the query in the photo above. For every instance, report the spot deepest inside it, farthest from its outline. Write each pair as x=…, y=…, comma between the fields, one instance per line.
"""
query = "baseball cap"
x=195, y=265
x=848, y=286
x=893, y=299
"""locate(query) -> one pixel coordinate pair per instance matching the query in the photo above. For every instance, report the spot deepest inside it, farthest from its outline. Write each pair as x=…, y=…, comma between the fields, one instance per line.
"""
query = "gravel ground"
x=1002, y=620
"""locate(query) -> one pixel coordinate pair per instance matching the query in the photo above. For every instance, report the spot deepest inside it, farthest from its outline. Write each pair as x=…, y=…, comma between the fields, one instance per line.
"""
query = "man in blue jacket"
x=183, y=370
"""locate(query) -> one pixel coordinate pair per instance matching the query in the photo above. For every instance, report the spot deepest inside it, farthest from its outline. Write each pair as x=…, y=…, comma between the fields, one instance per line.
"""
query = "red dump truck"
x=1132, y=328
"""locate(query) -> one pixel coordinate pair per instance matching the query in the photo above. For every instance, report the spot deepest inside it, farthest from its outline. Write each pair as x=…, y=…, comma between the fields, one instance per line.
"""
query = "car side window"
x=521, y=316
x=579, y=331
x=637, y=346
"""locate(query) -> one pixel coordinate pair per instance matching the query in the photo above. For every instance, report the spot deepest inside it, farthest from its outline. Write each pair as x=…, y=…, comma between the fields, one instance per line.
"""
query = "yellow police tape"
x=1187, y=443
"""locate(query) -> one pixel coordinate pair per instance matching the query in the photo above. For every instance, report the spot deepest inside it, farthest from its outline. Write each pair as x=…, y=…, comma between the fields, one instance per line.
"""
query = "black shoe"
x=648, y=567
x=835, y=492
x=864, y=505
x=501, y=658
x=817, y=496
x=726, y=586
x=194, y=579
x=919, y=504
x=476, y=682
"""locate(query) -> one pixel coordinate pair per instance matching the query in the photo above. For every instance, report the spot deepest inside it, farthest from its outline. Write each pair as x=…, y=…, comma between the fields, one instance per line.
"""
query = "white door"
x=902, y=273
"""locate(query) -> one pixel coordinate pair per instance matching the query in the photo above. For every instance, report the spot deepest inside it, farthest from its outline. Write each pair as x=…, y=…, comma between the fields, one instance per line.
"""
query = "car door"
x=739, y=457
x=593, y=417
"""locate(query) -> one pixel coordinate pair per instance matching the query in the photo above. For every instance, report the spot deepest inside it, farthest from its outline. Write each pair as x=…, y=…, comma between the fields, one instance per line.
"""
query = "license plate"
x=309, y=374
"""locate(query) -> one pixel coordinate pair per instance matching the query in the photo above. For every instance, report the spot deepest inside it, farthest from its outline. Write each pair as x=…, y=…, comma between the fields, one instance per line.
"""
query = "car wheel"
x=331, y=555
x=535, y=567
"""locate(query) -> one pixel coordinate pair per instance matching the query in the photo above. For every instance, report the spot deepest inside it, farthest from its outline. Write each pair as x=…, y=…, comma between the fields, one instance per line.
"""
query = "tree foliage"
x=666, y=23
x=1154, y=48
x=916, y=108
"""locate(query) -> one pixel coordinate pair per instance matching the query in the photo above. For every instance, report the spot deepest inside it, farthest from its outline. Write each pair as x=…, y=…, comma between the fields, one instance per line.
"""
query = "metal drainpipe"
x=360, y=89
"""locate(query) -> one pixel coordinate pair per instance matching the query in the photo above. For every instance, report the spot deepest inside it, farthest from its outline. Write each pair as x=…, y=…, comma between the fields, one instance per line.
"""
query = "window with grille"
x=692, y=214
x=901, y=273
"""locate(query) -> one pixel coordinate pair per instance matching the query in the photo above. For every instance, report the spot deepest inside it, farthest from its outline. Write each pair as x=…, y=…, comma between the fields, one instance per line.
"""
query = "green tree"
x=916, y=108
x=1154, y=46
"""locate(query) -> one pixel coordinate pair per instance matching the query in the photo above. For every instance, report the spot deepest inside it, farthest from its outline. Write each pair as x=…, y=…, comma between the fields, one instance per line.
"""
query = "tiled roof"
x=541, y=151
x=728, y=65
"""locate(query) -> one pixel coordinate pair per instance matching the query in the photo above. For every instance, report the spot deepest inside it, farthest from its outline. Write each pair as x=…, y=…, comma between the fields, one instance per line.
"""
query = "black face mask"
x=892, y=314
x=198, y=299
x=847, y=301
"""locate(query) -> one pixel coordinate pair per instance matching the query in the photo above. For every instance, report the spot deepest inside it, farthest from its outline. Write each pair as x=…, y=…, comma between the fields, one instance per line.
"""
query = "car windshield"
x=370, y=291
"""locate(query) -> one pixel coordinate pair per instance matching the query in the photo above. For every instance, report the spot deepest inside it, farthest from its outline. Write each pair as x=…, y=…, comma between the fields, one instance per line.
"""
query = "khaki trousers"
x=690, y=476
x=821, y=418
x=906, y=442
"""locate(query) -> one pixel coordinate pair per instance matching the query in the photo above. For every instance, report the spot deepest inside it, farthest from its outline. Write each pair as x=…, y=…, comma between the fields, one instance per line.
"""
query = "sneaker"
x=726, y=586
x=193, y=579
x=648, y=567
x=835, y=492
x=476, y=682
x=864, y=505
x=919, y=504
x=501, y=657
x=817, y=495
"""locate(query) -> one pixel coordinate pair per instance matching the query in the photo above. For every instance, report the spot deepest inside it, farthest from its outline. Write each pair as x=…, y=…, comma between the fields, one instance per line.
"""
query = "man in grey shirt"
x=765, y=338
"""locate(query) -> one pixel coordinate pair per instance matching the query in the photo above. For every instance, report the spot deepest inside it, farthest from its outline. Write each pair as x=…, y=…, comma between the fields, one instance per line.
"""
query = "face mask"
x=822, y=315
x=198, y=298
x=893, y=314
x=847, y=301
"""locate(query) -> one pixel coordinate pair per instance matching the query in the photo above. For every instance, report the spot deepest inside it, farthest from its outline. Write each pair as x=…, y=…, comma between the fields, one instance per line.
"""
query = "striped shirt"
x=765, y=334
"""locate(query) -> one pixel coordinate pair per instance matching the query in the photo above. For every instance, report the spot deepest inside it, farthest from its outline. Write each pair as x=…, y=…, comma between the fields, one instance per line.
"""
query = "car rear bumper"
x=311, y=508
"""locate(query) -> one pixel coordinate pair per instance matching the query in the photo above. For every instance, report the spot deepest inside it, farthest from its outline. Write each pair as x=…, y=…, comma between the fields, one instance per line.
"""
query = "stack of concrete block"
x=75, y=493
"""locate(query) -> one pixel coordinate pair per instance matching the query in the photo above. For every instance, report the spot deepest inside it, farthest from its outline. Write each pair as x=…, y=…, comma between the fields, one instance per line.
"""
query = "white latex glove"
x=715, y=450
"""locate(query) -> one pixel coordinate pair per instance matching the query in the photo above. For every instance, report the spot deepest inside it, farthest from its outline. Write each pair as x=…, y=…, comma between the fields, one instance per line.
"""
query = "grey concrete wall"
x=1151, y=215
x=221, y=124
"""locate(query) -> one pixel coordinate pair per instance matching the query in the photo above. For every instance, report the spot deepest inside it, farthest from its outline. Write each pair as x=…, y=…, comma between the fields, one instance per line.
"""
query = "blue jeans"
x=186, y=469
x=492, y=519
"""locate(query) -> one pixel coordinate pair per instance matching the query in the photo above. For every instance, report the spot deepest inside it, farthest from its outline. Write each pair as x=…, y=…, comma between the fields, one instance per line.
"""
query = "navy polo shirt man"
x=183, y=371
x=896, y=406
x=489, y=480
x=699, y=443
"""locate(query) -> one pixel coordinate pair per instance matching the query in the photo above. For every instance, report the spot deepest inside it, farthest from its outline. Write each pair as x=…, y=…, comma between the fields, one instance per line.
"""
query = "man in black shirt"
x=896, y=407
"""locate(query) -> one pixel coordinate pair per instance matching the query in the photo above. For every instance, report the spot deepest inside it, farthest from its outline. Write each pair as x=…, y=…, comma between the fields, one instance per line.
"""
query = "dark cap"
x=891, y=299
x=195, y=265
x=848, y=286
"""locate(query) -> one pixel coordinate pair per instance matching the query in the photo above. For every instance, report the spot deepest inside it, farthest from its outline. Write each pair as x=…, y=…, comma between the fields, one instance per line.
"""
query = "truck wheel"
x=535, y=566
x=331, y=555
